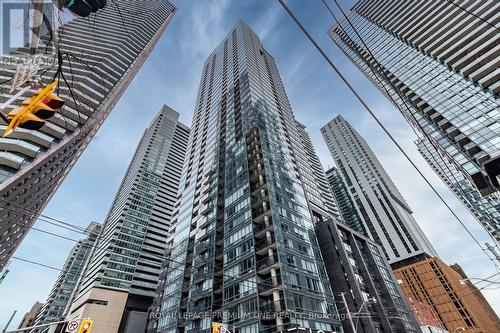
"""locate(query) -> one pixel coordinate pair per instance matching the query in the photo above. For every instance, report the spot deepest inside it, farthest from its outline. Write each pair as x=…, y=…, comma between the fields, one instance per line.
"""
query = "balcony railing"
x=266, y=263
x=267, y=286
x=265, y=243
x=273, y=307
x=267, y=225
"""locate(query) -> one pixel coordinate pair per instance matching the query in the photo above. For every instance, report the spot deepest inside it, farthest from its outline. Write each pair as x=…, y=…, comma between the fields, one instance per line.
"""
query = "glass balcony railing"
x=265, y=243
x=259, y=228
x=267, y=263
x=273, y=307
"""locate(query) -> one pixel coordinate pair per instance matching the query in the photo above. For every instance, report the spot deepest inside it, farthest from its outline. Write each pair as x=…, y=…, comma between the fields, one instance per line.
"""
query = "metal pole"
x=348, y=312
x=8, y=323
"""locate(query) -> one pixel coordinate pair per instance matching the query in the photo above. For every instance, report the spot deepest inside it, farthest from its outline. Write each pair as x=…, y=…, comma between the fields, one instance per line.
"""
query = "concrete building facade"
x=386, y=217
x=456, y=303
x=33, y=163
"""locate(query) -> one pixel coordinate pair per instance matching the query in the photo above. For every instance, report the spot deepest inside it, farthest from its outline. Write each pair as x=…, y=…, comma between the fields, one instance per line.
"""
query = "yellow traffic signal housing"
x=34, y=110
x=86, y=326
x=216, y=328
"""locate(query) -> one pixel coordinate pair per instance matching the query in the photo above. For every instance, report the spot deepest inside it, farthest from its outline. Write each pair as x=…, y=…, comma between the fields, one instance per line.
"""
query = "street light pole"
x=8, y=323
x=348, y=312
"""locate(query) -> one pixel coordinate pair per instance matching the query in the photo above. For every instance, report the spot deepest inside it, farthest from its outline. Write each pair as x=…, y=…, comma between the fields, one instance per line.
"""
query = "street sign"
x=72, y=326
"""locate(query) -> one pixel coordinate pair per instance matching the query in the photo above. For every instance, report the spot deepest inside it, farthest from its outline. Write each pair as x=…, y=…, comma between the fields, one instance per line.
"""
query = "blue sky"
x=171, y=76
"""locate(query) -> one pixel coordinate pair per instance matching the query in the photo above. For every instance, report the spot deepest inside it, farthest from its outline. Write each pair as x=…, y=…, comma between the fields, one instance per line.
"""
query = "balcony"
x=218, y=287
x=219, y=240
x=205, y=198
x=259, y=198
x=201, y=261
x=262, y=246
x=201, y=276
x=260, y=229
x=202, y=235
x=198, y=293
x=202, y=247
x=255, y=188
x=206, y=208
x=255, y=162
x=219, y=253
x=258, y=214
x=264, y=266
x=203, y=222
x=199, y=308
x=254, y=176
x=273, y=307
x=268, y=286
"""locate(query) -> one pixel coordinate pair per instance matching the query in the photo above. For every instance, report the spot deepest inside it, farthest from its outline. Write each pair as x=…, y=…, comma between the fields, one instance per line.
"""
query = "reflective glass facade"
x=485, y=209
x=127, y=261
x=347, y=208
x=440, y=65
x=64, y=289
x=244, y=251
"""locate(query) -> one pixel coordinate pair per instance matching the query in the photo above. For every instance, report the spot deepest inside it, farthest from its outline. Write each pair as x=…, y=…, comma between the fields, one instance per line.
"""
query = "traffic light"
x=216, y=328
x=32, y=112
x=85, y=326
x=81, y=8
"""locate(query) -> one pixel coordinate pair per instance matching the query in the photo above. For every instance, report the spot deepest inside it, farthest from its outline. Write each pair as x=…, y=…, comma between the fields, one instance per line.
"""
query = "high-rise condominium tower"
x=369, y=201
x=318, y=192
x=345, y=203
x=120, y=281
x=244, y=242
x=386, y=217
x=63, y=291
x=485, y=209
x=439, y=63
x=100, y=59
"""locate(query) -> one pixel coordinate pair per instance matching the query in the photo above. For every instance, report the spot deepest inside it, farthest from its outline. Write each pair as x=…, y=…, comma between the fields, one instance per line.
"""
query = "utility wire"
x=396, y=90
x=389, y=96
x=42, y=215
x=368, y=109
x=95, y=246
x=181, y=269
x=39, y=264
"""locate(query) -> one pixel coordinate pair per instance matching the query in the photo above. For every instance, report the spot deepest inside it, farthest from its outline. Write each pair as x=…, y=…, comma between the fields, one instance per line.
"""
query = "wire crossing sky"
x=171, y=76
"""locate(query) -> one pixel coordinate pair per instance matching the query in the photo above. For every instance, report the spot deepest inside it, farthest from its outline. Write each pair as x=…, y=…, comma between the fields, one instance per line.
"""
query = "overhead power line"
x=95, y=246
x=402, y=98
x=369, y=110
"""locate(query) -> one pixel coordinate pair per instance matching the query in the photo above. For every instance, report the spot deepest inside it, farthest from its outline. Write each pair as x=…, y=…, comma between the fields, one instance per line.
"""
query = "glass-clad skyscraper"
x=346, y=206
x=385, y=215
x=485, y=209
x=120, y=280
x=64, y=289
x=100, y=57
x=439, y=61
x=244, y=250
